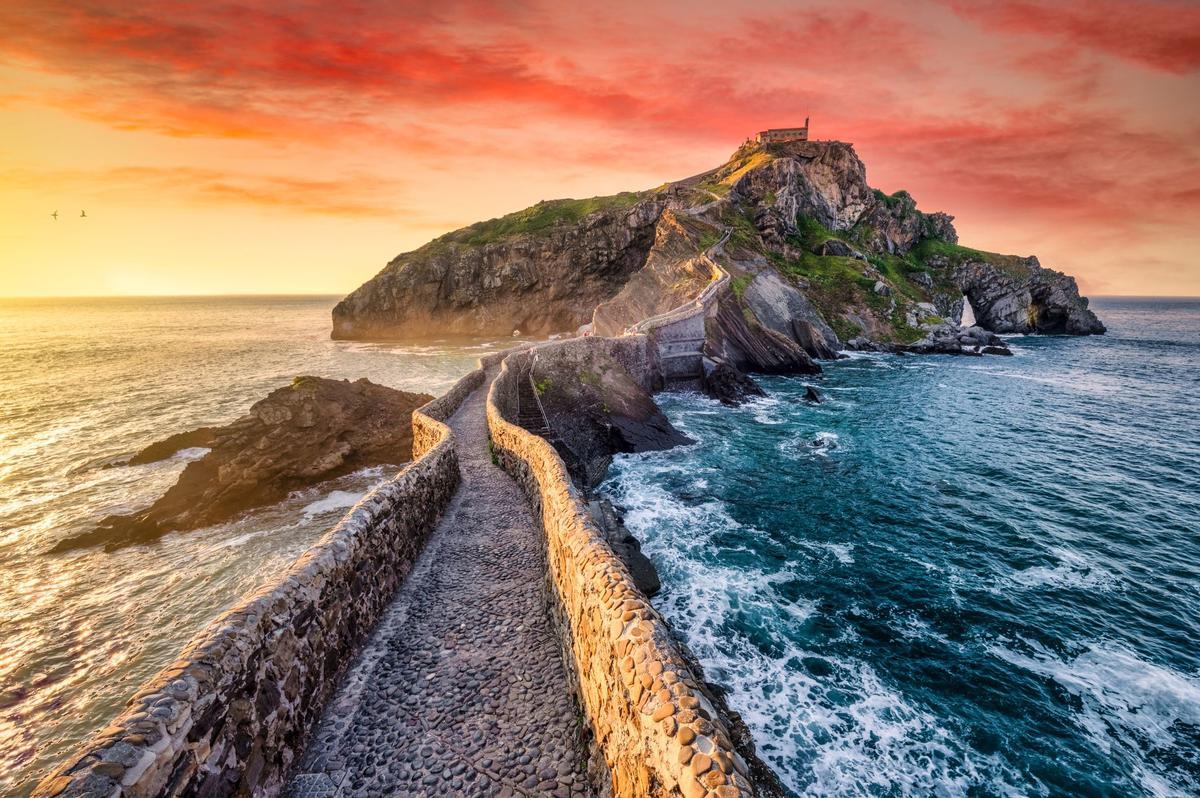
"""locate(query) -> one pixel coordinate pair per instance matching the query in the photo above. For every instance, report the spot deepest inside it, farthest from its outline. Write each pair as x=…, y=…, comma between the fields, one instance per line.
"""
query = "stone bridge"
x=678, y=335
x=465, y=630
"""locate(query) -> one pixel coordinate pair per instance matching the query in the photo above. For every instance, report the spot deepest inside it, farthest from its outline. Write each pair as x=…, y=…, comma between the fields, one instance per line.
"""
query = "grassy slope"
x=541, y=218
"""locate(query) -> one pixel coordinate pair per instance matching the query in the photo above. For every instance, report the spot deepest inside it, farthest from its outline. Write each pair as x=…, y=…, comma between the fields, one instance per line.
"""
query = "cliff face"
x=816, y=257
x=675, y=270
x=540, y=271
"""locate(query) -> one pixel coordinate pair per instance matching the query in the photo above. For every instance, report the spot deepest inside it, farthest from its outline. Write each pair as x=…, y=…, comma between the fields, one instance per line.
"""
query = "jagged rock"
x=627, y=547
x=997, y=350
x=895, y=224
x=837, y=247
x=483, y=281
x=941, y=226
x=823, y=180
x=779, y=306
x=731, y=338
x=596, y=408
x=310, y=431
x=813, y=341
x=1018, y=295
x=727, y=385
x=882, y=288
x=811, y=395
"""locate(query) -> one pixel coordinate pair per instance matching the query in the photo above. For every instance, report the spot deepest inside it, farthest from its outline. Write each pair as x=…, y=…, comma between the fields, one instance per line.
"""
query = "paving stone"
x=463, y=671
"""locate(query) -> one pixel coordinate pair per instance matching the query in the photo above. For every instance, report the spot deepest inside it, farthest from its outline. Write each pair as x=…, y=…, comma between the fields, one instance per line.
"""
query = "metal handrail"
x=545, y=418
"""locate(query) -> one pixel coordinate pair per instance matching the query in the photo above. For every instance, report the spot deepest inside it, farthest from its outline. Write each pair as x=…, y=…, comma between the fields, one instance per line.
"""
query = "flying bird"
x=83, y=214
x=55, y=215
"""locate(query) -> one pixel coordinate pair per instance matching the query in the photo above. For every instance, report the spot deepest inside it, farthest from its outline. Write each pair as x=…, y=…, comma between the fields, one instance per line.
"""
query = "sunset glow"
x=223, y=148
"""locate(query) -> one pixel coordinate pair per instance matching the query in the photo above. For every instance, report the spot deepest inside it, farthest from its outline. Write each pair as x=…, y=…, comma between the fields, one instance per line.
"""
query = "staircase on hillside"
x=532, y=417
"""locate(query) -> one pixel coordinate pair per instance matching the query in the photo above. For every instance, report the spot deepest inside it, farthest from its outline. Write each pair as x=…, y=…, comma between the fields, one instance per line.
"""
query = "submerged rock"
x=811, y=395
x=310, y=431
x=625, y=546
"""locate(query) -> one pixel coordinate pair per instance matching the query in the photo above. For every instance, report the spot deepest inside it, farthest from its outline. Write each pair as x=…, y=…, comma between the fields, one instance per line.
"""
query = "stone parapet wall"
x=655, y=728
x=232, y=713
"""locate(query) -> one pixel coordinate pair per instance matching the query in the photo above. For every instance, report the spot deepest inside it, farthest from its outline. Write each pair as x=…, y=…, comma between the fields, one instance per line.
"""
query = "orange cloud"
x=1072, y=111
x=358, y=195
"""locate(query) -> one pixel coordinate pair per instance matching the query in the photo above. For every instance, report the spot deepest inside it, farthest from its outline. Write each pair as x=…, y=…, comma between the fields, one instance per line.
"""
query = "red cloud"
x=1011, y=121
x=1160, y=34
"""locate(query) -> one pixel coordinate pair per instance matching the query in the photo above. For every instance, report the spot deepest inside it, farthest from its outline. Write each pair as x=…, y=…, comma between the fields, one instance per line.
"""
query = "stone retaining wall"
x=232, y=713
x=655, y=728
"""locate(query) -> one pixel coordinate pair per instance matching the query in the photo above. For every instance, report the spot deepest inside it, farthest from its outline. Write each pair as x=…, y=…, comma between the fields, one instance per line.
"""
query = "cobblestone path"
x=460, y=690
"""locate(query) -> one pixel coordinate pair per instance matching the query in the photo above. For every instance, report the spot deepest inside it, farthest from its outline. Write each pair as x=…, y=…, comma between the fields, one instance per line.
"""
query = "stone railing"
x=233, y=712
x=720, y=279
x=654, y=726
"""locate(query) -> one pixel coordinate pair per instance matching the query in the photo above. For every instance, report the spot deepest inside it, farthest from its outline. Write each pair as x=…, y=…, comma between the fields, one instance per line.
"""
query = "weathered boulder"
x=727, y=385
x=310, y=431
x=837, y=247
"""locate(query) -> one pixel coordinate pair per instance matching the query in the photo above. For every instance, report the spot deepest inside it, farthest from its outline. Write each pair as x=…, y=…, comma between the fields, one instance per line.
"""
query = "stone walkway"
x=460, y=690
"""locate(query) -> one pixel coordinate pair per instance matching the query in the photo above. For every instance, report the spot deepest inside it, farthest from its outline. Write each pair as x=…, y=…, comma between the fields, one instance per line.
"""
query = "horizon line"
x=297, y=295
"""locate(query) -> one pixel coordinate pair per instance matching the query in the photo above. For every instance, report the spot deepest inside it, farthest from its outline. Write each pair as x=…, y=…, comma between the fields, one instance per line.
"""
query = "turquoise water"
x=85, y=383
x=956, y=576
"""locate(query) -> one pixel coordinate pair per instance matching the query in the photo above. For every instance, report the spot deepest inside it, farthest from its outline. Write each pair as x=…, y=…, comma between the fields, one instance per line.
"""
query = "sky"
x=235, y=147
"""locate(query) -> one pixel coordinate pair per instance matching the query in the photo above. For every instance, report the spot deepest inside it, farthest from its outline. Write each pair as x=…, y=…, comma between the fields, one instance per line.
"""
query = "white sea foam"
x=820, y=444
x=1073, y=570
x=829, y=725
x=1126, y=701
x=336, y=500
x=190, y=454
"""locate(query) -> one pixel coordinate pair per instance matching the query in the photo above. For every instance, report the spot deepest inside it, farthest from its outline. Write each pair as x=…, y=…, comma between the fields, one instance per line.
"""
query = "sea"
x=84, y=384
x=954, y=576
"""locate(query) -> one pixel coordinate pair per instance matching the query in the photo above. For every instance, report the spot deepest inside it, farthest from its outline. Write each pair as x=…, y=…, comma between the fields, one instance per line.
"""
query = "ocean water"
x=957, y=576
x=86, y=383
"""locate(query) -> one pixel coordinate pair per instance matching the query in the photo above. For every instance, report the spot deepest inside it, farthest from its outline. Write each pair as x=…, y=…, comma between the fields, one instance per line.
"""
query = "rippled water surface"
x=84, y=383
x=973, y=576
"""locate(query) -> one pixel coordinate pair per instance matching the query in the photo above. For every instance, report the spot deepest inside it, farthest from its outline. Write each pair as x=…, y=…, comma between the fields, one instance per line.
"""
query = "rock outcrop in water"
x=310, y=431
x=596, y=408
x=816, y=256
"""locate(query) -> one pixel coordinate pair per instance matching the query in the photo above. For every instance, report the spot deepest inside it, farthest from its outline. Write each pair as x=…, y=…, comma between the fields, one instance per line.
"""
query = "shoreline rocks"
x=310, y=431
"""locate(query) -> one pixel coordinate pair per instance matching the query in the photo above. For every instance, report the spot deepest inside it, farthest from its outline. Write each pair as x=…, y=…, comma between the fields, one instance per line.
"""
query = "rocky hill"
x=818, y=260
